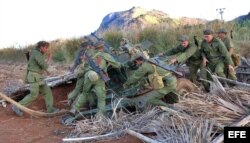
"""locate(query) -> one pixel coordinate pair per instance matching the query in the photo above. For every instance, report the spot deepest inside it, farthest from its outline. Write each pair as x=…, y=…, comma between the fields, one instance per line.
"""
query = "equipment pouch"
x=155, y=79
x=236, y=59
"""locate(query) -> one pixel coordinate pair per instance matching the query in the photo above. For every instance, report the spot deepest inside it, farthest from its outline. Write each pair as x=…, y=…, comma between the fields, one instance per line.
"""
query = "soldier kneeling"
x=162, y=81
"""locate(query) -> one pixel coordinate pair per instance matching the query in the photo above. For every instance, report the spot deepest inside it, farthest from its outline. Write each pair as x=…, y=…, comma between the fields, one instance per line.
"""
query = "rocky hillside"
x=137, y=17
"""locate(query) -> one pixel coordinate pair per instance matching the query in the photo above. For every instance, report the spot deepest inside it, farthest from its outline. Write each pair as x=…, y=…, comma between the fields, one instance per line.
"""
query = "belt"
x=35, y=71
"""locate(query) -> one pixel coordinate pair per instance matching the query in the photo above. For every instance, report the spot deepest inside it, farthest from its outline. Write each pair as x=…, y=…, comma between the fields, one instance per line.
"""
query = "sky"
x=24, y=22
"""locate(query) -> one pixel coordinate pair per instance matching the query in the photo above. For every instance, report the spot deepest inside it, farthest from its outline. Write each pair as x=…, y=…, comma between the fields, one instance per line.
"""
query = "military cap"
x=208, y=32
x=222, y=30
x=136, y=56
x=99, y=45
x=183, y=38
x=86, y=43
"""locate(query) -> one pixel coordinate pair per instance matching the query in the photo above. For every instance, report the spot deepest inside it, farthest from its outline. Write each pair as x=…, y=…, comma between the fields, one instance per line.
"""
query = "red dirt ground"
x=28, y=129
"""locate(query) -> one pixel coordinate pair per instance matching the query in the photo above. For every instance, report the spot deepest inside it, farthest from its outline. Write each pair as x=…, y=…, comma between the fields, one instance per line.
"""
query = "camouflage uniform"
x=98, y=87
x=36, y=66
x=154, y=97
x=217, y=56
x=191, y=55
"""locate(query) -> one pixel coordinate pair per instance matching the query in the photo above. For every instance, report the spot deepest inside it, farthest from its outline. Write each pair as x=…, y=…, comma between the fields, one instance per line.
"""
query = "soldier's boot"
x=206, y=87
x=17, y=110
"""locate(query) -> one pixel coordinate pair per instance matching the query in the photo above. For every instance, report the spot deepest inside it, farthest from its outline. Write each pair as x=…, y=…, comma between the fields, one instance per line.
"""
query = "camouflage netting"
x=198, y=117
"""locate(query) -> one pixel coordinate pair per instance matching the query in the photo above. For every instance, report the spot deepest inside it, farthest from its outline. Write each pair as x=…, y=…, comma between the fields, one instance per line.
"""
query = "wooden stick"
x=140, y=136
x=89, y=138
x=48, y=81
x=243, y=121
x=233, y=81
x=30, y=111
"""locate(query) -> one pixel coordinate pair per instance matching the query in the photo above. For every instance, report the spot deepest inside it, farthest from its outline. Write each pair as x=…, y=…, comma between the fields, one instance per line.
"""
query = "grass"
x=160, y=35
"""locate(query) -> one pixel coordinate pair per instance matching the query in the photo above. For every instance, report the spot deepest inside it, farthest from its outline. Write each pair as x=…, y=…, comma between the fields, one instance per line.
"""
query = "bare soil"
x=28, y=129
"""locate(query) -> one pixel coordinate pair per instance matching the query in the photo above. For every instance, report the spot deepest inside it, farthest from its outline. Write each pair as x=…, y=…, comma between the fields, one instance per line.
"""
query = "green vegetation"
x=161, y=36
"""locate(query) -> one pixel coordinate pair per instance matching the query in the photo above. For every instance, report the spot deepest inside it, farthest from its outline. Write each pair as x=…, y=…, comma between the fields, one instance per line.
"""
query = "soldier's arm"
x=171, y=52
x=112, y=61
x=187, y=54
x=225, y=53
x=138, y=74
x=41, y=61
x=229, y=45
x=81, y=70
x=203, y=55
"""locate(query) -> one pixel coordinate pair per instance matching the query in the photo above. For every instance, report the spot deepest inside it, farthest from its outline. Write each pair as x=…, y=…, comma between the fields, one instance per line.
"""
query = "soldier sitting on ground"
x=186, y=52
x=162, y=81
x=215, y=57
x=36, y=67
x=94, y=86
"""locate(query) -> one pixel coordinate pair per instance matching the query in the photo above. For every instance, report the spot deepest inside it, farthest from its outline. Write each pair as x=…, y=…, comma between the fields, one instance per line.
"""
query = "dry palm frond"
x=196, y=118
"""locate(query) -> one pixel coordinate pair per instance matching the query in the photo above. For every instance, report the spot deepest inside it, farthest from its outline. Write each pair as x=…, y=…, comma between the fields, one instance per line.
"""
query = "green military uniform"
x=154, y=97
x=229, y=44
x=191, y=55
x=36, y=66
x=217, y=56
x=79, y=84
x=80, y=78
x=97, y=87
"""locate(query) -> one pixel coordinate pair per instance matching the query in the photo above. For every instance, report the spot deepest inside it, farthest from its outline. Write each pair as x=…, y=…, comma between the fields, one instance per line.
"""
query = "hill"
x=243, y=18
x=137, y=17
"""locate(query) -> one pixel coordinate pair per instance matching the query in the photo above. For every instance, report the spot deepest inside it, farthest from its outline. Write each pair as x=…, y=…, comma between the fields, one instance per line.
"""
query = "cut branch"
x=30, y=111
x=140, y=136
x=243, y=121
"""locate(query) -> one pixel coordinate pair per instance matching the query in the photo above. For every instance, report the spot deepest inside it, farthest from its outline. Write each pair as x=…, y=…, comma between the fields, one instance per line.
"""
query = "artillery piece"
x=243, y=71
x=133, y=97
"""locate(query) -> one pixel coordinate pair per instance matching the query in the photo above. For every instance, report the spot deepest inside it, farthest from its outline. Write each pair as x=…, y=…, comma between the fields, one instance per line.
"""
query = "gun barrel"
x=166, y=67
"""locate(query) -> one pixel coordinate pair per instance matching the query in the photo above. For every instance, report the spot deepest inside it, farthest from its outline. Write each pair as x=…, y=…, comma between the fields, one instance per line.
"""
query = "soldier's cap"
x=99, y=45
x=136, y=56
x=208, y=32
x=222, y=30
x=86, y=43
x=183, y=38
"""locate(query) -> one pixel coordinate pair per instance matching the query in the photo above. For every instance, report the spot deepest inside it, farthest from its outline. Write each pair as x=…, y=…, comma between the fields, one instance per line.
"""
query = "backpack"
x=155, y=80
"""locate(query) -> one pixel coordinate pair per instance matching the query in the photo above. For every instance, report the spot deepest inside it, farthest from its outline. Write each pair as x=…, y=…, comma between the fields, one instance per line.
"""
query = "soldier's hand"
x=173, y=60
x=204, y=62
x=231, y=69
x=125, y=85
x=160, y=54
x=48, y=73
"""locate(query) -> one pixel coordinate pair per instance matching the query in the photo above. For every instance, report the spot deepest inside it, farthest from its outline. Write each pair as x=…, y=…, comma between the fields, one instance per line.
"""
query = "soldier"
x=162, y=81
x=215, y=56
x=86, y=46
x=93, y=83
x=36, y=67
x=186, y=52
x=222, y=34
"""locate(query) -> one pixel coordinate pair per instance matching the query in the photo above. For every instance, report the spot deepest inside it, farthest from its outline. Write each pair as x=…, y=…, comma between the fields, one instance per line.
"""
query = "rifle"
x=161, y=64
x=96, y=68
x=27, y=55
x=156, y=61
x=77, y=60
x=196, y=41
x=106, y=46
